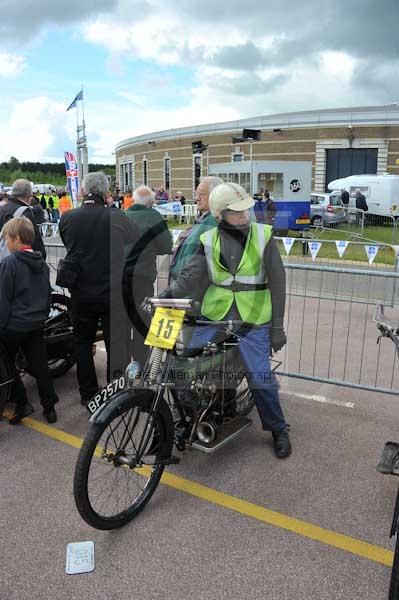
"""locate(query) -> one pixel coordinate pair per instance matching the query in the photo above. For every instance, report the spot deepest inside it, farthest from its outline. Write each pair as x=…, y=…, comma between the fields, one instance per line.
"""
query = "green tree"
x=13, y=163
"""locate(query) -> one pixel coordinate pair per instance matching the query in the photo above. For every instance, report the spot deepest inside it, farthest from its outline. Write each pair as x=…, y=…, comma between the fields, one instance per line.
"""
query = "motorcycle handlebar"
x=192, y=307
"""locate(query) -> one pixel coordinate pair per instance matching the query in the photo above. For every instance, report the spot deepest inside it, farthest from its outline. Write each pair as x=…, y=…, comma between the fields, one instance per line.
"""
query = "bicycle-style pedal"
x=389, y=461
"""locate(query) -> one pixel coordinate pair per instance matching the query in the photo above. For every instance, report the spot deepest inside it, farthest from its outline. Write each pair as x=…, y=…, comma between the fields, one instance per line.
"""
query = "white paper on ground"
x=80, y=558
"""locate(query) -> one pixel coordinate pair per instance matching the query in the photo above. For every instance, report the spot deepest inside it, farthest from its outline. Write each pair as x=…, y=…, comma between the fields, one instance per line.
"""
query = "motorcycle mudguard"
x=121, y=401
x=138, y=396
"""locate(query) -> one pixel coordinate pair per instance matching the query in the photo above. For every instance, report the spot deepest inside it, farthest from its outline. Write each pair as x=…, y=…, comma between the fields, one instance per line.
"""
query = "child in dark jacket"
x=24, y=307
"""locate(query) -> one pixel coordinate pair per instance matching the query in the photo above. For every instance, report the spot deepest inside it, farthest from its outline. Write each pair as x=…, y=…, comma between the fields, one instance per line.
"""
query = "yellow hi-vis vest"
x=254, y=305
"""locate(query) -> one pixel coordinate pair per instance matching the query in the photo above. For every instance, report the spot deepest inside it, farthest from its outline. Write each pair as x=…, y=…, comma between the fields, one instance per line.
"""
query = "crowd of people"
x=45, y=208
x=227, y=259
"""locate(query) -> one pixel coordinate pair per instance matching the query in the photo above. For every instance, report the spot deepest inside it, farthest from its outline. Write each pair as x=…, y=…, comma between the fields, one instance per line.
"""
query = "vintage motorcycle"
x=58, y=332
x=191, y=398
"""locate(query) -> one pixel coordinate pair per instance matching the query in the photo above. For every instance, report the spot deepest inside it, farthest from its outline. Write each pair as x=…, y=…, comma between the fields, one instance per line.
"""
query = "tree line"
x=38, y=172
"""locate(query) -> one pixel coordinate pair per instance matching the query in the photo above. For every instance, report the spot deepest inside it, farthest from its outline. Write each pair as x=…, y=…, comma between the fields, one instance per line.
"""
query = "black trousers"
x=33, y=346
x=135, y=289
x=116, y=331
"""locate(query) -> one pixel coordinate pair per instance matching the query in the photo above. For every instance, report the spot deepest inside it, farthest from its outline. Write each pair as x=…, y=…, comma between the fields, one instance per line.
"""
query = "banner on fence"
x=314, y=248
x=341, y=247
x=371, y=252
x=169, y=208
x=288, y=243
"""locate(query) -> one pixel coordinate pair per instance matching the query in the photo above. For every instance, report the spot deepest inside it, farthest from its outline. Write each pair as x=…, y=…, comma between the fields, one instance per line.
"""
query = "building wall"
x=302, y=143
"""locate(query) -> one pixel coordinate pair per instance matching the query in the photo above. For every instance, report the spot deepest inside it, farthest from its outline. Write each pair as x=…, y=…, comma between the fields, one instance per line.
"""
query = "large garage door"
x=350, y=161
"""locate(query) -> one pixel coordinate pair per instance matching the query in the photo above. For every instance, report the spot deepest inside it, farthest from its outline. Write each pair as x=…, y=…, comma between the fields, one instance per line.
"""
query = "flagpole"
x=77, y=115
x=83, y=105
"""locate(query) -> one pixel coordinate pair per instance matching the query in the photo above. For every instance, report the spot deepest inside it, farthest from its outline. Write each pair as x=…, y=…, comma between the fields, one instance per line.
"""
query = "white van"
x=381, y=192
x=42, y=188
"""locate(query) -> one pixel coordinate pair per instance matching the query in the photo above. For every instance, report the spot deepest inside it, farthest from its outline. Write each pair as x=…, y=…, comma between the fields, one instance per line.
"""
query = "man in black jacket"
x=97, y=241
x=141, y=269
x=21, y=194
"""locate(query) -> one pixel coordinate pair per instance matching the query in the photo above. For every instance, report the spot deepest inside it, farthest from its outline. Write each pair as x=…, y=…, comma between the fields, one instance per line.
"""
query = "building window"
x=166, y=173
x=130, y=176
x=145, y=172
x=273, y=182
x=121, y=177
x=237, y=157
x=197, y=170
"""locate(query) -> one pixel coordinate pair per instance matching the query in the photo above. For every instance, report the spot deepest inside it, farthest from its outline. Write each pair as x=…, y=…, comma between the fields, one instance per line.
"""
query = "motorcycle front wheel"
x=110, y=486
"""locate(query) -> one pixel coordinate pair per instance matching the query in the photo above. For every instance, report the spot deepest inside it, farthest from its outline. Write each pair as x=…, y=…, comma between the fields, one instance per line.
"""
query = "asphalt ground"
x=235, y=524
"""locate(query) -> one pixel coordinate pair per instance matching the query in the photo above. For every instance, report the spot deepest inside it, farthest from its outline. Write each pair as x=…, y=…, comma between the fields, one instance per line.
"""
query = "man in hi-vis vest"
x=245, y=278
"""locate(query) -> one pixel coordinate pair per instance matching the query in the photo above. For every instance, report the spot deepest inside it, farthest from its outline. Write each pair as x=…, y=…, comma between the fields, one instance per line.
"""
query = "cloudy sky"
x=149, y=65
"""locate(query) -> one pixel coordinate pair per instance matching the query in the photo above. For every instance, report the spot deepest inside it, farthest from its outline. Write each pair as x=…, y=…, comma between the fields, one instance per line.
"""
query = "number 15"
x=168, y=328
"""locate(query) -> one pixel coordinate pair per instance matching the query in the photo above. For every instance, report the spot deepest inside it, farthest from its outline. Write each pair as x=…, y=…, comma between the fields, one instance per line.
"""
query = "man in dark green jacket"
x=140, y=267
x=189, y=240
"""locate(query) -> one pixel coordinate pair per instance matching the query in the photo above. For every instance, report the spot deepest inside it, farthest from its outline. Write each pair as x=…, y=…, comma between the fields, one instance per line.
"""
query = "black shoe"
x=50, y=415
x=281, y=443
x=22, y=411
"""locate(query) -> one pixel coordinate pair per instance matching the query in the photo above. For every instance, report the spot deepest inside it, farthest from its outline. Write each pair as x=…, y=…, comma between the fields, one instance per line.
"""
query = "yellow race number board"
x=165, y=327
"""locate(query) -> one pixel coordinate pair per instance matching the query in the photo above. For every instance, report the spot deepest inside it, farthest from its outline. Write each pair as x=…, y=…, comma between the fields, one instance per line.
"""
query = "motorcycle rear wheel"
x=244, y=400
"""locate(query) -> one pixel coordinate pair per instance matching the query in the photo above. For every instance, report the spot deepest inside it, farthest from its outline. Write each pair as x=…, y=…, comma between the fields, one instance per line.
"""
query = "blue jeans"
x=254, y=350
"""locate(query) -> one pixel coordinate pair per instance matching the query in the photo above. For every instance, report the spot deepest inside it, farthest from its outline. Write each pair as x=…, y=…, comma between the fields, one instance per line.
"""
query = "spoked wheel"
x=394, y=586
x=111, y=486
x=61, y=306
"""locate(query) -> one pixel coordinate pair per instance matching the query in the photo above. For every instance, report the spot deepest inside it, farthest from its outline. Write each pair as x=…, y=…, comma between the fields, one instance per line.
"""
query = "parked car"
x=326, y=209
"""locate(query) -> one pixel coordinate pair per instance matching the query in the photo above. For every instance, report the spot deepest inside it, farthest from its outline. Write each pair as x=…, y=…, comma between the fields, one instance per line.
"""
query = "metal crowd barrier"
x=328, y=320
x=357, y=222
x=329, y=324
x=353, y=252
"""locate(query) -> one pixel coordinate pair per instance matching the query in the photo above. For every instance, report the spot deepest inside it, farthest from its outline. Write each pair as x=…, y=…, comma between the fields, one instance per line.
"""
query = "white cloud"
x=130, y=119
x=244, y=63
x=37, y=129
x=11, y=64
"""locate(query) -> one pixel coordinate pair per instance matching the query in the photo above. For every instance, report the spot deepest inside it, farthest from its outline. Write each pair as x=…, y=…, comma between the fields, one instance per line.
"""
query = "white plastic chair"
x=186, y=213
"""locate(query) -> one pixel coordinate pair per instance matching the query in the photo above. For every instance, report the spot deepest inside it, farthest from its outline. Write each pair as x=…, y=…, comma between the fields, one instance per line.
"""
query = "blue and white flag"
x=341, y=247
x=314, y=248
x=79, y=96
x=371, y=252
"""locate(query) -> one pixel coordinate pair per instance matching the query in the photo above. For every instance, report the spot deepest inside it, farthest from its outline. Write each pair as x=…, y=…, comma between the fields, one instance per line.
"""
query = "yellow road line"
x=243, y=507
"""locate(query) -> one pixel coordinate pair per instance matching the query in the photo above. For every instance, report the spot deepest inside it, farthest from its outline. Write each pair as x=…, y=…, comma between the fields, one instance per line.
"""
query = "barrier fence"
x=328, y=319
x=329, y=324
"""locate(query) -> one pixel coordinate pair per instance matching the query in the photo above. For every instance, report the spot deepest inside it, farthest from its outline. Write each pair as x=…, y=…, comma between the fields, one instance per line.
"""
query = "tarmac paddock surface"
x=235, y=524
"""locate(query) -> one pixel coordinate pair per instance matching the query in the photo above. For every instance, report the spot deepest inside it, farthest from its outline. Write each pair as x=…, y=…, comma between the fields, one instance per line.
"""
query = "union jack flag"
x=72, y=174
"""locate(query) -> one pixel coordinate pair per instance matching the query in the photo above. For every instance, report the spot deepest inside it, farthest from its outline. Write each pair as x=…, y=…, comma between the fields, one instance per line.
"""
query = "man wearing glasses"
x=189, y=240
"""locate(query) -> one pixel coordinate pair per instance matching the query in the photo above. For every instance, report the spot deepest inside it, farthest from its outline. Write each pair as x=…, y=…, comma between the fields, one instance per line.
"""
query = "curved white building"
x=337, y=143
